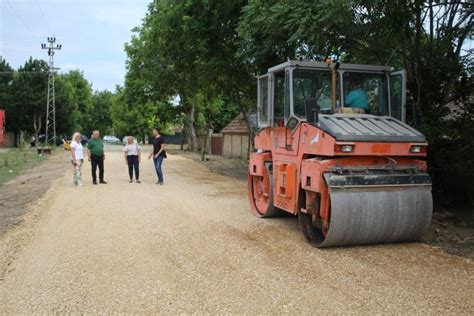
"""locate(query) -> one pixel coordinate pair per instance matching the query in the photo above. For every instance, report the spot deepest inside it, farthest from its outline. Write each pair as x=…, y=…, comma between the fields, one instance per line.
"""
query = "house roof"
x=236, y=126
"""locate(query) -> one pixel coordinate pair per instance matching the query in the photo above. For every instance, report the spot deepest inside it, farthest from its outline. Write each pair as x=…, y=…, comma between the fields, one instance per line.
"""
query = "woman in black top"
x=158, y=154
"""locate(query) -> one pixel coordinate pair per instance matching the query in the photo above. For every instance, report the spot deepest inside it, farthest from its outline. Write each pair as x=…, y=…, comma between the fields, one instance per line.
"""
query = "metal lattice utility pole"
x=50, y=134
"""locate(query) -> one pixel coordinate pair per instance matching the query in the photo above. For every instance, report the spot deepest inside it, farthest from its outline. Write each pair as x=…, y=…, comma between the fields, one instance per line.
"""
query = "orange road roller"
x=333, y=148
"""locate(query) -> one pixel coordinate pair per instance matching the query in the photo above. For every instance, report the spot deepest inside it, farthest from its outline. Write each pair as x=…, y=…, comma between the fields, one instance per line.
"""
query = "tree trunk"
x=204, y=146
x=189, y=109
x=20, y=138
x=183, y=138
x=192, y=136
x=36, y=127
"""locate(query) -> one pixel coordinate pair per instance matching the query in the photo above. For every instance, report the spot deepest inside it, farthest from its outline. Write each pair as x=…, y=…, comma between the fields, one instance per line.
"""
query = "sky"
x=92, y=34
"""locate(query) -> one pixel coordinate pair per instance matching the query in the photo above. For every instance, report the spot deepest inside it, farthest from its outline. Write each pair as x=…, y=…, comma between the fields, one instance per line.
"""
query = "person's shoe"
x=130, y=181
x=94, y=182
x=102, y=181
x=80, y=184
x=138, y=181
x=160, y=183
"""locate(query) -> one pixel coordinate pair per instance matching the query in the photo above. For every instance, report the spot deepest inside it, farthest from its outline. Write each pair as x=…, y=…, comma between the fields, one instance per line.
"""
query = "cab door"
x=398, y=84
x=285, y=150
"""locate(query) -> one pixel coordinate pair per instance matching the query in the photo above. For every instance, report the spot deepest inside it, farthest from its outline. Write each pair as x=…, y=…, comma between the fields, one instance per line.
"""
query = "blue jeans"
x=158, y=161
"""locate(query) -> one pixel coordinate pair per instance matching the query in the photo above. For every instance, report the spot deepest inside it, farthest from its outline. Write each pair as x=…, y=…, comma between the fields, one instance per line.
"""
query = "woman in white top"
x=77, y=158
x=132, y=155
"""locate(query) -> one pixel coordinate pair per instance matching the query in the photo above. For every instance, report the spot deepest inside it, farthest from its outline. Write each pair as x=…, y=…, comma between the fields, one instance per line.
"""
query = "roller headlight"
x=347, y=148
x=344, y=148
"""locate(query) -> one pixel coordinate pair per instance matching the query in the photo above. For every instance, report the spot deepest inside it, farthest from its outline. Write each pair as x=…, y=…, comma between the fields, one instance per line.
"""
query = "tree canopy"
x=23, y=94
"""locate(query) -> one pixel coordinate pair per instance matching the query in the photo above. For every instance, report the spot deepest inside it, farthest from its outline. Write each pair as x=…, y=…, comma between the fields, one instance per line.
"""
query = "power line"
x=18, y=16
x=43, y=16
x=51, y=100
x=23, y=72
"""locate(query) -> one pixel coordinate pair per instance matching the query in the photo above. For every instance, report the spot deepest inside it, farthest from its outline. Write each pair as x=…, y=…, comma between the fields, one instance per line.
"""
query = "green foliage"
x=186, y=50
x=25, y=106
x=81, y=102
x=23, y=93
x=138, y=119
x=67, y=114
x=100, y=112
x=6, y=79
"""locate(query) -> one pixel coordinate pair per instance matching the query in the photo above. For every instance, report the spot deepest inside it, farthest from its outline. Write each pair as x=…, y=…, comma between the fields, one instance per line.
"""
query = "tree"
x=185, y=50
x=26, y=109
x=6, y=79
x=81, y=100
x=101, y=107
x=67, y=114
x=24, y=94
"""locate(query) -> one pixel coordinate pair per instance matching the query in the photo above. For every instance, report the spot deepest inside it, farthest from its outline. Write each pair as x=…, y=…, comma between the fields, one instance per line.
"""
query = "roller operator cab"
x=333, y=148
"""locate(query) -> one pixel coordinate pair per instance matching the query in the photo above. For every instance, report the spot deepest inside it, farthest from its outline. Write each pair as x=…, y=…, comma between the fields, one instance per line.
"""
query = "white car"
x=111, y=139
x=125, y=140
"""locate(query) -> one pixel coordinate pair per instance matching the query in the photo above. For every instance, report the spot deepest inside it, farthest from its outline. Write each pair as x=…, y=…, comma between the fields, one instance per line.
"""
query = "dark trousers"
x=158, y=161
x=97, y=161
x=132, y=161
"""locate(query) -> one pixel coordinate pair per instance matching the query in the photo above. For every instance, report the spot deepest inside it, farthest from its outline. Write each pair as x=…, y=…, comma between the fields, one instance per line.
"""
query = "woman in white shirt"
x=77, y=158
x=132, y=155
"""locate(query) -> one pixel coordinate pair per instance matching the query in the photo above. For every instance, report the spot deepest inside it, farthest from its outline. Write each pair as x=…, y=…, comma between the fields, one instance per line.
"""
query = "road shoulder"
x=18, y=196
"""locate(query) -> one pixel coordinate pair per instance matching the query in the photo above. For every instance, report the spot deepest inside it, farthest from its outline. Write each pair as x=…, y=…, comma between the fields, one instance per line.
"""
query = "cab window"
x=311, y=83
x=263, y=100
x=366, y=91
x=279, y=99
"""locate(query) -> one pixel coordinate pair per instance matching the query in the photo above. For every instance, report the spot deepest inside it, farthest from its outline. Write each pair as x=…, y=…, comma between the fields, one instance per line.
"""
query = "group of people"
x=132, y=156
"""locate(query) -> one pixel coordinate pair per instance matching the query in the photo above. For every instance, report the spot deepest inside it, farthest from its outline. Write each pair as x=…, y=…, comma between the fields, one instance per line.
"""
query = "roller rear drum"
x=375, y=215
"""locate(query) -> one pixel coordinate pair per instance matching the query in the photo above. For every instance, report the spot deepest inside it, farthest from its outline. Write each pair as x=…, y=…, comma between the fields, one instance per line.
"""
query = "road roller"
x=333, y=148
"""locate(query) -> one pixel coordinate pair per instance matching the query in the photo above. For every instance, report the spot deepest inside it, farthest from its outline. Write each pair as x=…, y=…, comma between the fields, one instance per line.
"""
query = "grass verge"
x=14, y=160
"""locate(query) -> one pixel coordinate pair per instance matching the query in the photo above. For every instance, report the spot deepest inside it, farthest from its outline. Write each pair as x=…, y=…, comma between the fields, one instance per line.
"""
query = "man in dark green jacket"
x=96, y=156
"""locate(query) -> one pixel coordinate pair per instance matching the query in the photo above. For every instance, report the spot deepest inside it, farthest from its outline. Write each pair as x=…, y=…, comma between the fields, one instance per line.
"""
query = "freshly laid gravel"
x=193, y=246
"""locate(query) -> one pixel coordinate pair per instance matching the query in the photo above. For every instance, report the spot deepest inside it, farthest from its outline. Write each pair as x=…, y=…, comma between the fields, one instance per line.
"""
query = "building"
x=235, y=138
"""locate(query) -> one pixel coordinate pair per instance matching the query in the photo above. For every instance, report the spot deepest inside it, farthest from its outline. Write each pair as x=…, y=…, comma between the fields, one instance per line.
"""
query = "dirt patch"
x=451, y=231
x=186, y=248
x=17, y=195
x=231, y=167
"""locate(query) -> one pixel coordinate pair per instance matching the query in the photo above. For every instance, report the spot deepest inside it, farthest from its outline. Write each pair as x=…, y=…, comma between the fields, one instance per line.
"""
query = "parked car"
x=125, y=140
x=84, y=140
x=111, y=139
x=66, y=144
x=41, y=139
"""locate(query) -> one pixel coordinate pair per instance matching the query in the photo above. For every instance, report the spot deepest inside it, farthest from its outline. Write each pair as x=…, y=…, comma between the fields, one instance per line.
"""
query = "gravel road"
x=193, y=245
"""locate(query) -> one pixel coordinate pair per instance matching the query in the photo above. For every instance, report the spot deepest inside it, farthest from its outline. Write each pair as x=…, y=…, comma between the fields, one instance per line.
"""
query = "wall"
x=235, y=145
x=217, y=142
x=8, y=140
x=201, y=138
